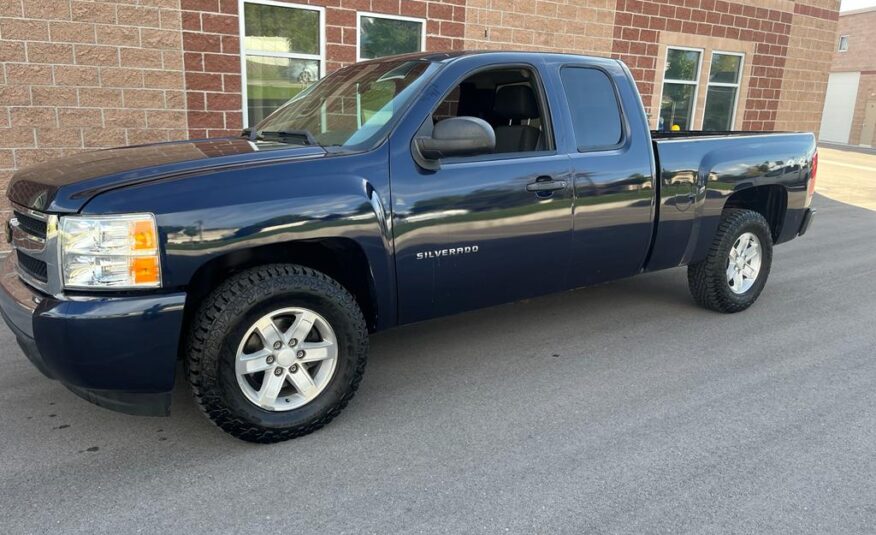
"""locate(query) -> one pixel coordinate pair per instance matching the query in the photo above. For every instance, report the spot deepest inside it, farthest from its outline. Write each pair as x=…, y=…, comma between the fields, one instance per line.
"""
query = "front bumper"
x=117, y=352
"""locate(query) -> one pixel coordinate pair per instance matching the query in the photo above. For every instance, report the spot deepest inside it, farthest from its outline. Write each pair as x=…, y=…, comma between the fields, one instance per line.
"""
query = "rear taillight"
x=811, y=188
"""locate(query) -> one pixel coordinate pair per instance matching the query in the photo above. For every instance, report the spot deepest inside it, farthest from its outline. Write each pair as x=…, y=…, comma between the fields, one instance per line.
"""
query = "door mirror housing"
x=456, y=136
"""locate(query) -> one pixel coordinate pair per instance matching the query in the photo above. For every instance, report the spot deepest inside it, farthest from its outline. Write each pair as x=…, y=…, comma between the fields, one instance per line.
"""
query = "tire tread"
x=201, y=349
x=706, y=278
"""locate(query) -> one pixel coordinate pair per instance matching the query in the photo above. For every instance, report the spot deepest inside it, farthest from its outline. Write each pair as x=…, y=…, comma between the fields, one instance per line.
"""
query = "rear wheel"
x=736, y=268
x=276, y=352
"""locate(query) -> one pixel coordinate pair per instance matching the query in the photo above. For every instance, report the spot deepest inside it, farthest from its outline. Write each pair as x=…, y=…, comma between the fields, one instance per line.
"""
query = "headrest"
x=515, y=102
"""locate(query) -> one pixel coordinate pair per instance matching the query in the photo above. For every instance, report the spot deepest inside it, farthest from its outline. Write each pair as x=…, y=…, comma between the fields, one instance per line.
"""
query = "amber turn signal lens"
x=143, y=236
x=119, y=251
x=145, y=269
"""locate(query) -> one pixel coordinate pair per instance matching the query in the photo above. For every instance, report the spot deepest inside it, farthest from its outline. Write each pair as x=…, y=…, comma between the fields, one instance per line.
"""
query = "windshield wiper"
x=299, y=137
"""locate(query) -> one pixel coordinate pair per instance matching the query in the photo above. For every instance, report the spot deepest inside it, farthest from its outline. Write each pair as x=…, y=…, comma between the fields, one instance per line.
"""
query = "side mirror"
x=456, y=136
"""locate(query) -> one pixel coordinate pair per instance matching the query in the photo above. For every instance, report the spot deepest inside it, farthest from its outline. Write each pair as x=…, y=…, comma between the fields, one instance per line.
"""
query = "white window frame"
x=361, y=14
x=737, y=85
x=695, y=83
x=291, y=55
x=843, y=39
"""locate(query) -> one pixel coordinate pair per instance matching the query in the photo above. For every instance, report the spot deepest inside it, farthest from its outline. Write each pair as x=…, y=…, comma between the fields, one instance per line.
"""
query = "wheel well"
x=770, y=201
x=340, y=258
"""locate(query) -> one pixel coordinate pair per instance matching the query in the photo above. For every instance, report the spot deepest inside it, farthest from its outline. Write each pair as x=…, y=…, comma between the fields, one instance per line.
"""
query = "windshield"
x=350, y=108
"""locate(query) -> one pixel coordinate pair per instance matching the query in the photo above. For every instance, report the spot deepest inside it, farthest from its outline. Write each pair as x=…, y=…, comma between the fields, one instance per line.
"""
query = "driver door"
x=488, y=229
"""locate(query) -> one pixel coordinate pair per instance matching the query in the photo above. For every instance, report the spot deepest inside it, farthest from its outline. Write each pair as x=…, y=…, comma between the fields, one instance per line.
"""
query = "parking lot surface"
x=622, y=408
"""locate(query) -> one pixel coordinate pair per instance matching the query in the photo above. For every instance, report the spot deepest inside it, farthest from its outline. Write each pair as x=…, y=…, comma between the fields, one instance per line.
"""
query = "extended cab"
x=390, y=192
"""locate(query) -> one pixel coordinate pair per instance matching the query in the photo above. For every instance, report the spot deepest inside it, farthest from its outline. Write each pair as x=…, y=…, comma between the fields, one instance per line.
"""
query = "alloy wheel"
x=743, y=263
x=286, y=359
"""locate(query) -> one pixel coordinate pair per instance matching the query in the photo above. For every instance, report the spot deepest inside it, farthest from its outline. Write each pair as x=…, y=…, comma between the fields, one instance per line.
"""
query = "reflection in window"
x=351, y=107
x=594, y=106
x=724, y=75
x=281, y=54
x=382, y=35
x=679, y=89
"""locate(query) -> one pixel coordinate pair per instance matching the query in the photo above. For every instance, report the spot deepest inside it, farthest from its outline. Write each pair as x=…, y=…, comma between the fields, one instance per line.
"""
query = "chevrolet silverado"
x=391, y=191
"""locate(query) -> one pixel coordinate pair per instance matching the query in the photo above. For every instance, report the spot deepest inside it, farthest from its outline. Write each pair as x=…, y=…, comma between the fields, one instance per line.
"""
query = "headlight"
x=116, y=252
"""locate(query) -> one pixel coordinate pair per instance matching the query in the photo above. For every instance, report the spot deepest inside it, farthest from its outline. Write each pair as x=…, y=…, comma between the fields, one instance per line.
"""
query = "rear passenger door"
x=485, y=229
x=612, y=170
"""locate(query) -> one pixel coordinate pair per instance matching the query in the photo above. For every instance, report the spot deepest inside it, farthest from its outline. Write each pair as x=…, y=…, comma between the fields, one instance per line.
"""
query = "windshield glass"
x=350, y=108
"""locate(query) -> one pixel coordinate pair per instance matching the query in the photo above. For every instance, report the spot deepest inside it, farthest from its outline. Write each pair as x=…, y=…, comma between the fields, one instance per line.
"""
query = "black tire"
x=231, y=309
x=708, y=280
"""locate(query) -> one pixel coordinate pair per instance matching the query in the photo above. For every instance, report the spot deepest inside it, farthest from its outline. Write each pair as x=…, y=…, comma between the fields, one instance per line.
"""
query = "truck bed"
x=699, y=173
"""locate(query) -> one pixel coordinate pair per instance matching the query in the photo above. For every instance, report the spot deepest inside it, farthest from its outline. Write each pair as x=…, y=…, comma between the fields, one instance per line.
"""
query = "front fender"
x=203, y=217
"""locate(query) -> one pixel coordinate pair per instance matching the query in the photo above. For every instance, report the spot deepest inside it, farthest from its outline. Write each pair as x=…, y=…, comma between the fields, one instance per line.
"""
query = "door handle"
x=545, y=184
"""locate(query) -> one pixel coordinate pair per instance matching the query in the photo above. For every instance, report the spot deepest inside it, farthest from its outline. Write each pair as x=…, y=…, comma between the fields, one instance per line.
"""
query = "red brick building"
x=82, y=74
x=850, y=104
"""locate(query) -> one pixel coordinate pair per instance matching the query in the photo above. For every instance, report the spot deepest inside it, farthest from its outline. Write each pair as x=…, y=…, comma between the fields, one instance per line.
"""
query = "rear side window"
x=595, y=111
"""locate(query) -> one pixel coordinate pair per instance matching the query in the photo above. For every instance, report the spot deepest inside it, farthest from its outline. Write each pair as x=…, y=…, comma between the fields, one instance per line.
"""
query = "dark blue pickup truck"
x=391, y=191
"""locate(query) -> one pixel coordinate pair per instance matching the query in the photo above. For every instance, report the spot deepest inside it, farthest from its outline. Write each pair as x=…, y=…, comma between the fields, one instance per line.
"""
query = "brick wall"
x=80, y=75
x=83, y=74
x=558, y=26
x=866, y=97
x=860, y=26
x=212, y=49
x=810, y=45
x=709, y=45
x=638, y=31
x=638, y=25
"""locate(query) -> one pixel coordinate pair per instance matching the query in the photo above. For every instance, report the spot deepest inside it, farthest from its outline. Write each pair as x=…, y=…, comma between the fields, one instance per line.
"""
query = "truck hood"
x=66, y=184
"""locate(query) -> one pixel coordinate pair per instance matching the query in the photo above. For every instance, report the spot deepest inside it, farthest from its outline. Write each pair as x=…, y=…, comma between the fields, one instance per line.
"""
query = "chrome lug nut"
x=278, y=371
x=270, y=359
x=293, y=342
x=278, y=345
x=300, y=354
x=293, y=368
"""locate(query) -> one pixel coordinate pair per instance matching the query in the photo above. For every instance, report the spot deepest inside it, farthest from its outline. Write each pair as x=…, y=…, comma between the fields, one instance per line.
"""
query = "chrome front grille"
x=31, y=224
x=33, y=267
x=33, y=238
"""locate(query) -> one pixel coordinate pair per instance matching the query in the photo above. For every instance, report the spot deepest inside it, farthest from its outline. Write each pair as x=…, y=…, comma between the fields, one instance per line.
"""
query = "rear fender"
x=699, y=176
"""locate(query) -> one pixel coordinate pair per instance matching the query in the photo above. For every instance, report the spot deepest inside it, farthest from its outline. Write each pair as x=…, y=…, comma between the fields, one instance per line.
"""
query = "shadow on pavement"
x=576, y=378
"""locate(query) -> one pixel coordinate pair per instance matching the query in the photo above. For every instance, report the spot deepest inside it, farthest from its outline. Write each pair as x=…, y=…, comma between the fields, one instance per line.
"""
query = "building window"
x=282, y=52
x=679, y=96
x=385, y=35
x=722, y=95
x=843, y=43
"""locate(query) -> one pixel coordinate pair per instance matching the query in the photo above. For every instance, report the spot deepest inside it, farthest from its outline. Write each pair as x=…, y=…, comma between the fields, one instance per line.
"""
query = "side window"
x=507, y=98
x=448, y=108
x=593, y=104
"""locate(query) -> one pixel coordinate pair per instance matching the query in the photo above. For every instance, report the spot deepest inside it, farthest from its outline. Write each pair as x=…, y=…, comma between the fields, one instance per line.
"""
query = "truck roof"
x=449, y=56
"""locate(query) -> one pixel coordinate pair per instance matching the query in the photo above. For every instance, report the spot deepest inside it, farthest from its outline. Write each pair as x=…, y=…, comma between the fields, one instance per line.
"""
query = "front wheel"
x=736, y=268
x=276, y=352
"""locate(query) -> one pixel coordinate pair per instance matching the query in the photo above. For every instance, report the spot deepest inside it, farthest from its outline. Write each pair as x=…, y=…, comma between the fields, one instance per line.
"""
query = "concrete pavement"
x=617, y=409
x=847, y=176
